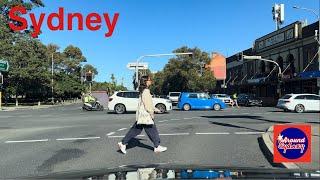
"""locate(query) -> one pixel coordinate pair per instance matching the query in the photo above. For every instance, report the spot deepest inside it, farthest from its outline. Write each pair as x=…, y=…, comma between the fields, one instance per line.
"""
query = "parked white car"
x=299, y=102
x=174, y=97
x=125, y=101
x=223, y=97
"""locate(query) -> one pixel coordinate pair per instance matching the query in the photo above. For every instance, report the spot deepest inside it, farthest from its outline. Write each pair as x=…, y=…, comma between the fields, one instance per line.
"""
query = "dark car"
x=249, y=100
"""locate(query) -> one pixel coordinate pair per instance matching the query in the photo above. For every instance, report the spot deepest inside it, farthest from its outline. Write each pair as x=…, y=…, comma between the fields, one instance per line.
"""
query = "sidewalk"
x=315, y=161
x=14, y=108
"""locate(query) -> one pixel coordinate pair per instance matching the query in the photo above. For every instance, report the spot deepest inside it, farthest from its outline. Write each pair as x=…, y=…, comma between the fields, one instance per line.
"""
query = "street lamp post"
x=52, y=100
x=154, y=55
x=317, y=33
x=267, y=60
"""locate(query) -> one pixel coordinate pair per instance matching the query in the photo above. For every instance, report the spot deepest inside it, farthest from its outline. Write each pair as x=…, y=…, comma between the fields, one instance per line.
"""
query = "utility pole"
x=52, y=100
x=242, y=57
x=153, y=55
x=317, y=37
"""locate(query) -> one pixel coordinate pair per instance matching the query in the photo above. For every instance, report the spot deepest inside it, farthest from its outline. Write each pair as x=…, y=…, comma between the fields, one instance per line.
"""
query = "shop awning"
x=309, y=74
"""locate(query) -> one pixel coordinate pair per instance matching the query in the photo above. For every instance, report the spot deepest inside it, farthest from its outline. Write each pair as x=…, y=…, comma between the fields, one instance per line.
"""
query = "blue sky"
x=151, y=27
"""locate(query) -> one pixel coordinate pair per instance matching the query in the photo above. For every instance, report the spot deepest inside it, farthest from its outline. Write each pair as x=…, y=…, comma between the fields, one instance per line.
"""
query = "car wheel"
x=120, y=109
x=186, y=107
x=161, y=107
x=299, y=108
x=216, y=107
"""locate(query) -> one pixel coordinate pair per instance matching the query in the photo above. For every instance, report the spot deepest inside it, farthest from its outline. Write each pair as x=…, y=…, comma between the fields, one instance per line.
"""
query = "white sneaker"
x=122, y=147
x=160, y=149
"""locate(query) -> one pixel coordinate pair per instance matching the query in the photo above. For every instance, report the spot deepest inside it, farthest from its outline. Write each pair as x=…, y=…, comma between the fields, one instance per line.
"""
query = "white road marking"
x=122, y=129
x=110, y=133
x=268, y=113
x=22, y=141
x=115, y=136
x=187, y=118
x=70, y=139
x=248, y=132
x=207, y=133
x=163, y=120
x=141, y=135
x=175, y=119
x=245, y=113
x=174, y=134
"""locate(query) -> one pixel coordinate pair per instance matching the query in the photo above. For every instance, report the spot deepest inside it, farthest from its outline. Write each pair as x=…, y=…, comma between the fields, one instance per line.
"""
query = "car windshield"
x=174, y=94
x=90, y=85
x=286, y=96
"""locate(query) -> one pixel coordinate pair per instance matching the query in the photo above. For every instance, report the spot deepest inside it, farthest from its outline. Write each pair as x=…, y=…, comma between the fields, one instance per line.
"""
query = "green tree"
x=182, y=73
x=89, y=67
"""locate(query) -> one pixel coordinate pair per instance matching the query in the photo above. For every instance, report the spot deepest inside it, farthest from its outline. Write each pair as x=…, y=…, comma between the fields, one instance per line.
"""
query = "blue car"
x=190, y=100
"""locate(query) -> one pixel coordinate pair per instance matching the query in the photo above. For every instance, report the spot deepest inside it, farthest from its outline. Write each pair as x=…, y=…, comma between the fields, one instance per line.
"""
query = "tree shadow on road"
x=135, y=142
x=259, y=118
x=234, y=126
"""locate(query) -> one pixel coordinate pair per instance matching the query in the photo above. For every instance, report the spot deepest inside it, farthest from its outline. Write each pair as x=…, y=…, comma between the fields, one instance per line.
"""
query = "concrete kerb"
x=267, y=139
x=35, y=107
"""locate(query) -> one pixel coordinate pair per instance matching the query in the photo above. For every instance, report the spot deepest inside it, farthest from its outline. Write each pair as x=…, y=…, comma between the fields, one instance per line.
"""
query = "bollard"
x=39, y=103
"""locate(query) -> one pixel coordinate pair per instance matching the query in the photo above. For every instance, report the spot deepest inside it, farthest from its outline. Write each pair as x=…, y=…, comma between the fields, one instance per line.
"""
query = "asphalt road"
x=44, y=141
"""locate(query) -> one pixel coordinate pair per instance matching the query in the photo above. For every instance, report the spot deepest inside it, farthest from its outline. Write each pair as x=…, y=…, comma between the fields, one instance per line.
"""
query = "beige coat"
x=147, y=101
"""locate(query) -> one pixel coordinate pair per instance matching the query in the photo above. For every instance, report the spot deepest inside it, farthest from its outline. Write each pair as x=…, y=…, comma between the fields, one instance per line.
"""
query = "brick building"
x=294, y=48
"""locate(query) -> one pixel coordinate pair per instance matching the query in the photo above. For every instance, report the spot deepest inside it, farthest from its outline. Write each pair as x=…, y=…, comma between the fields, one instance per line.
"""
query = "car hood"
x=165, y=170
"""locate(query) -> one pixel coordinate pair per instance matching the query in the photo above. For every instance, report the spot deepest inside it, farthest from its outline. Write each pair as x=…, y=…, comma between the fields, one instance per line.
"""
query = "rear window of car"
x=312, y=97
x=120, y=94
x=174, y=94
x=300, y=97
x=193, y=96
x=131, y=94
x=286, y=97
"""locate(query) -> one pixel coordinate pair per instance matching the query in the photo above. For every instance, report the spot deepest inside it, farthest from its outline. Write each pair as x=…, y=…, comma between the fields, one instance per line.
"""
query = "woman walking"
x=144, y=118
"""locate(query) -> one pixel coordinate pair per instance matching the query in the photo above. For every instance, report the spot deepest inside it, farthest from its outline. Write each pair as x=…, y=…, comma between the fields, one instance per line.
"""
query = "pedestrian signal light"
x=89, y=76
x=240, y=56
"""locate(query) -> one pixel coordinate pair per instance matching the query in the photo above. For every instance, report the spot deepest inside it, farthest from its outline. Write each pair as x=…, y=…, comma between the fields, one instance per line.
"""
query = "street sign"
x=132, y=66
x=251, y=57
x=4, y=65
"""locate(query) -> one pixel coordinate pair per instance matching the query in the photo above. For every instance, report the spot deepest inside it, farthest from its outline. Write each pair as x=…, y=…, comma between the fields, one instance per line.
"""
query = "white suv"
x=124, y=101
x=299, y=102
x=223, y=97
x=174, y=97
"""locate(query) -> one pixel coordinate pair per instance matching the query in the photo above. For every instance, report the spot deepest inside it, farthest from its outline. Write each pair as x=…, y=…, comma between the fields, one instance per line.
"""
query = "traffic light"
x=1, y=79
x=89, y=76
x=240, y=56
x=280, y=78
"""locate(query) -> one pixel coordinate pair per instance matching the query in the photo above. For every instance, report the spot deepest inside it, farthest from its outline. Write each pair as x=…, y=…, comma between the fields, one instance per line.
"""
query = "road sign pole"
x=1, y=78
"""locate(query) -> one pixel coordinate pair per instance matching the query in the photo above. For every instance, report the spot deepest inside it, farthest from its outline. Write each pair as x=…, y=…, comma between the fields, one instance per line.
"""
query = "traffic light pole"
x=153, y=55
x=241, y=57
x=1, y=90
